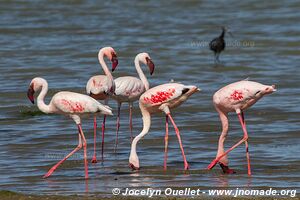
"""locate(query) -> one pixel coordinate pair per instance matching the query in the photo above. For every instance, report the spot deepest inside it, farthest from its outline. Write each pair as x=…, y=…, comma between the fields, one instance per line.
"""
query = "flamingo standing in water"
x=129, y=88
x=236, y=97
x=161, y=98
x=100, y=87
x=68, y=103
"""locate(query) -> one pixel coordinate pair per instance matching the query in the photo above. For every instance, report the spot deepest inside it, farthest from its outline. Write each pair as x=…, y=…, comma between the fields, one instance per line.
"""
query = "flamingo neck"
x=146, y=127
x=103, y=64
x=223, y=33
x=40, y=99
x=141, y=73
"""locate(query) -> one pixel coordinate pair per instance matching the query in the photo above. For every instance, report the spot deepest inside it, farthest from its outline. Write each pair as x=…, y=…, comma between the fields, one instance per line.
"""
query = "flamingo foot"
x=133, y=167
x=94, y=160
x=186, y=166
x=226, y=169
x=212, y=164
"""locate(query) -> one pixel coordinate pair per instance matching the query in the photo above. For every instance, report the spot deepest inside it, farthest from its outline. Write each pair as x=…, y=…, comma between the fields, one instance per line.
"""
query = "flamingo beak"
x=274, y=88
x=133, y=167
x=230, y=33
x=30, y=93
x=114, y=61
x=150, y=65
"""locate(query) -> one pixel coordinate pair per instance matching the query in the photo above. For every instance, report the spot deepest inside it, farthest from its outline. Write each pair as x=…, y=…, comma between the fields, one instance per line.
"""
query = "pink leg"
x=65, y=158
x=214, y=162
x=103, y=130
x=118, y=126
x=94, y=159
x=243, y=123
x=245, y=138
x=85, y=151
x=186, y=165
x=130, y=121
x=166, y=142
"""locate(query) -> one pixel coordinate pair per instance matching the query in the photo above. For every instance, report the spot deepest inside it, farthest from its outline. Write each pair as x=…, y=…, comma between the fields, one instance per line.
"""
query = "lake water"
x=59, y=40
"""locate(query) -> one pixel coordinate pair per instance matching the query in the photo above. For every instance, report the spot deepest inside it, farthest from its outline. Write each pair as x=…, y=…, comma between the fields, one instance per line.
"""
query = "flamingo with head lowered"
x=100, y=87
x=161, y=98
x=67, y=103
x=129, y=88
x=236, y=97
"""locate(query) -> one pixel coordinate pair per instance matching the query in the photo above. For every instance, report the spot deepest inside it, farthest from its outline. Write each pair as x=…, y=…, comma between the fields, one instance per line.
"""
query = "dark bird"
x=217, y=45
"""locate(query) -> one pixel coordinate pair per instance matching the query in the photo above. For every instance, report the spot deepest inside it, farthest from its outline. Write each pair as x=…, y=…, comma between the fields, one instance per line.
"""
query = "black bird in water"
x=218, y=44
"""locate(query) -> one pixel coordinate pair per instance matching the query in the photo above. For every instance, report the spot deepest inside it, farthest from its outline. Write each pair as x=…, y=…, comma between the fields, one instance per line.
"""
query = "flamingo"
x=68, y=103
x=100, y=87
x=161, y=98
x=129, y=88
x=236, y=97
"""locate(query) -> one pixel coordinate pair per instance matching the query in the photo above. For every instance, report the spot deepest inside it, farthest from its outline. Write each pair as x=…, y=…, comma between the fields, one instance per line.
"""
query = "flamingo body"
x=100, y=87
x=74, y=103
x=169, y=94
x=236, y=97
x=240, y=95
x=128, y=89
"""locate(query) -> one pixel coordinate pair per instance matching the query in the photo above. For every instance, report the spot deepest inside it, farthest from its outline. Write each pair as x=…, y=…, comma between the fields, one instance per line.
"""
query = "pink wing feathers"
x=129, y=86
x=75, y=103
x=163, y=93
x=100, y=84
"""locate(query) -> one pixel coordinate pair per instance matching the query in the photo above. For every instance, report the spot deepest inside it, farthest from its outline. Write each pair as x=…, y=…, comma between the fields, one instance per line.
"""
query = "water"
x=60, y=40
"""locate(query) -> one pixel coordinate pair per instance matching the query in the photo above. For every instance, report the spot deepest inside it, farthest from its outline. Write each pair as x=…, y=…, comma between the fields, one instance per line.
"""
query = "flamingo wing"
x=128, y=86
x=75, y=103
x=164, y=93
x=99, y=84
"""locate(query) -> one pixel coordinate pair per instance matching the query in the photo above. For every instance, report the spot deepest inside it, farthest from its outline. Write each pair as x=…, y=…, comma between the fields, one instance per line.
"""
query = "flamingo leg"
x=130, y=121
x=166, y=142
x=103, y=130
x=245, y=139
x=118, y=126
x=79, y=146
x=243, y=123
x=84, y=151
x=94, y=159
x=186, y=165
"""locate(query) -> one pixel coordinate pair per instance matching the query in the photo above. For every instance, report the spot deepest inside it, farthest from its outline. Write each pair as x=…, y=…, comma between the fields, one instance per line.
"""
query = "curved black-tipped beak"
x=114, y=60
x=150, y=65
x=30, y=93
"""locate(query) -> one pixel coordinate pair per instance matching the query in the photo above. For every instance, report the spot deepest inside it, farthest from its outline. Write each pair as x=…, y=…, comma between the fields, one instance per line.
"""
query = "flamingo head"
x=265, y=89
x=30, y=93
x=146, y=59
x=35, y=85
x=260, y=90
x=134, y=163
x=111, y=54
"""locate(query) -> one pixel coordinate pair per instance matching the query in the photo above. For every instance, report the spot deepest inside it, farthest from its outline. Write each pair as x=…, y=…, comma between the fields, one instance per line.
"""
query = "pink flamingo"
x=68, y=103
x=129, y=88
x=236, y=97
x=100, y=87
x=161, y=98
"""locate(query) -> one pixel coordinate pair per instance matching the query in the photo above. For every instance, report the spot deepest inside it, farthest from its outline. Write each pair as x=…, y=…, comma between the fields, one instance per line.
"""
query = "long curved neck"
x=222, y=34
x=40, y=99
x=224, y=121
x=141, y=73
x=146, y=127
x=103, y=64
